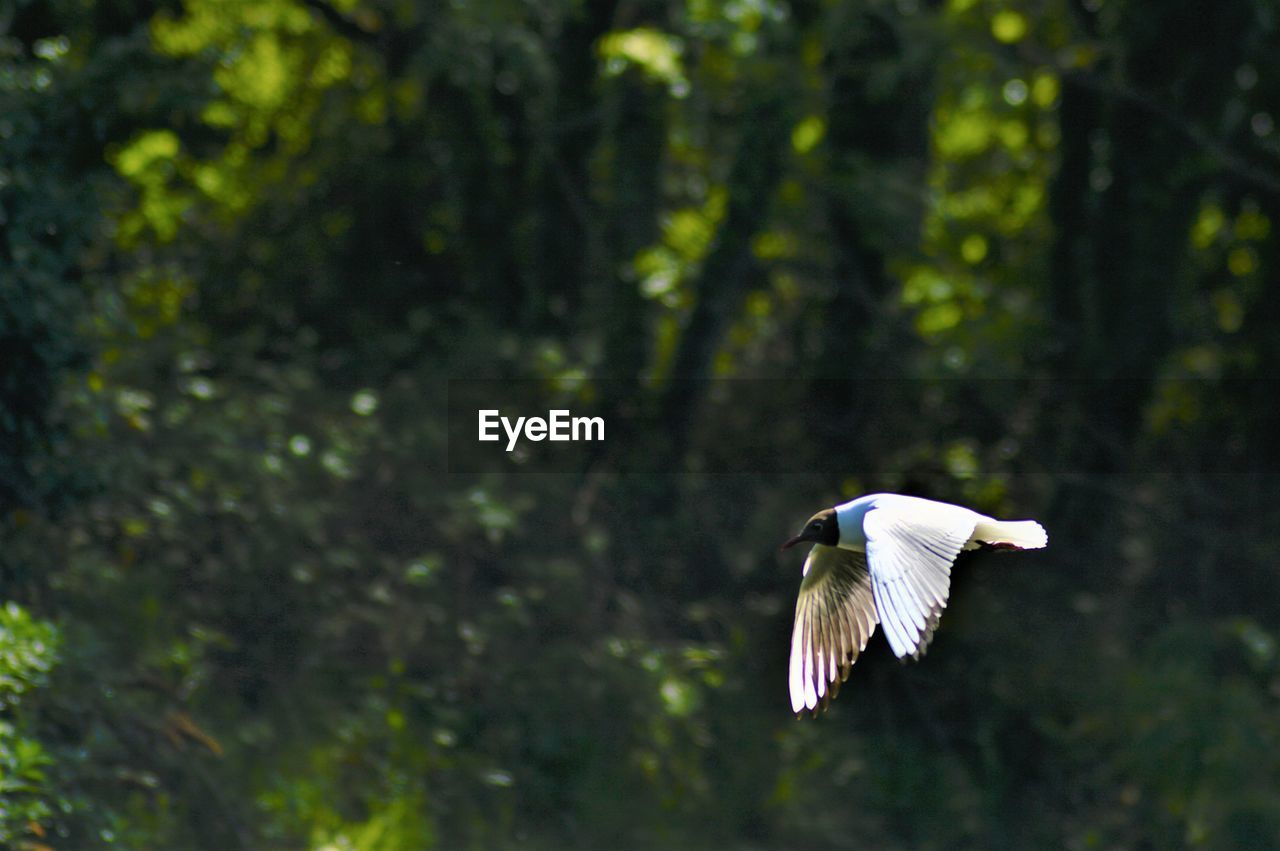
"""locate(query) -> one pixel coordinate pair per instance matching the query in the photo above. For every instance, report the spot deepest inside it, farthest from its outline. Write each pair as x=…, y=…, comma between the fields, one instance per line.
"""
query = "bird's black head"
x=821, y=528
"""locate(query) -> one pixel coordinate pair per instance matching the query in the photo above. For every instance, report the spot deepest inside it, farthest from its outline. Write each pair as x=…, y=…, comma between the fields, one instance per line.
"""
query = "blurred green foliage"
x=243, y=246
x=28, y=650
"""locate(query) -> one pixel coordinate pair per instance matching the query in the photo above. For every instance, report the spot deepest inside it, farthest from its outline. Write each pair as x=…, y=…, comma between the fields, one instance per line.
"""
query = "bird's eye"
x=816, y=526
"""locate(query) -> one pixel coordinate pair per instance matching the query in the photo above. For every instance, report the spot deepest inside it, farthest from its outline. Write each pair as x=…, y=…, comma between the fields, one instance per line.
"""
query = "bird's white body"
x=1023, y=534
x=891, y=565
x=849, y=516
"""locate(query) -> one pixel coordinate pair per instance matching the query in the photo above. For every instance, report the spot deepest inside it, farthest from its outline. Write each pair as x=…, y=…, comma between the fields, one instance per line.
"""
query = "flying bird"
x=881, y=559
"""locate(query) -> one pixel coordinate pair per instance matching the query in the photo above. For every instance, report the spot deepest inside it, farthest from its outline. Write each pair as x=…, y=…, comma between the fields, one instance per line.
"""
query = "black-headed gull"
x=882, y=558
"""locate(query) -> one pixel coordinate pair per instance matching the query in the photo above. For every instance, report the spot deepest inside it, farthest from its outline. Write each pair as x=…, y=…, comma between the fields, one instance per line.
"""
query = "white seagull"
x=882, y=558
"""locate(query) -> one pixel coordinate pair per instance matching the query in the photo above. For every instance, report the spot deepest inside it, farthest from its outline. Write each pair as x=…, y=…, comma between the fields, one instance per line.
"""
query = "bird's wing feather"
x=910, y=549
x=835, y=617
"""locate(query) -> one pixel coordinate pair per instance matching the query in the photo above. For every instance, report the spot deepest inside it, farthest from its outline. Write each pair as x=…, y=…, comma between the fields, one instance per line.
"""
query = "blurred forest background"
x=245, y=243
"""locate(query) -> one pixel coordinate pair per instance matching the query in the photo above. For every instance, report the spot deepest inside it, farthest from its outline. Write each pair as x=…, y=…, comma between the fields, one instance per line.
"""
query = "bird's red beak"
x=791, y=542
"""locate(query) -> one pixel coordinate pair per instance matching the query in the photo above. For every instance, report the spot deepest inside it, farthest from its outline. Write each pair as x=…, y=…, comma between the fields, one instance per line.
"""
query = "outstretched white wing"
x=911, y=544
x=835, y=617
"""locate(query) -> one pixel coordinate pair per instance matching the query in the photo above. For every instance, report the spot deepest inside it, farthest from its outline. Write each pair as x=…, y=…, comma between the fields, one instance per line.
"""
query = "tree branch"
x=341, y=23
x=1229, y=159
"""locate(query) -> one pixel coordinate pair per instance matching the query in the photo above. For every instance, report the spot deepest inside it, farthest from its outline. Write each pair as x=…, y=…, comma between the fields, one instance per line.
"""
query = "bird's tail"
x=1019, y=534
